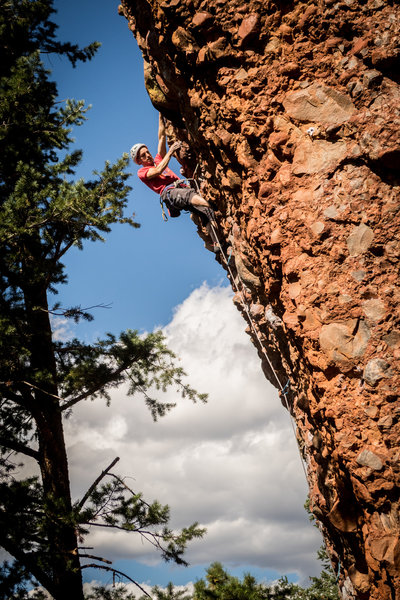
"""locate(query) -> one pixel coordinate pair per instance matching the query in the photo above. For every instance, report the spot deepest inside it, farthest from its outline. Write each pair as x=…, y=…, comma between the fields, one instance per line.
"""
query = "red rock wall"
x=292, y=109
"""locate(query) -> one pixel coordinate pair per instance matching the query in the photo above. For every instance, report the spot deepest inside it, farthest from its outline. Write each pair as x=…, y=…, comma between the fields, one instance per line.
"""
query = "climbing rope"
x=164, y=215
x=283, y=389
x=338, y=573
x=194, y=173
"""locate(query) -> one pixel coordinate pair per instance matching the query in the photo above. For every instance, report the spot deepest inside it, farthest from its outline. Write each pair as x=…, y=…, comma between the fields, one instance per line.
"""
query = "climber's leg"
x=207, y=218
x=188, y=199
x=206, y=213
x=203, y=207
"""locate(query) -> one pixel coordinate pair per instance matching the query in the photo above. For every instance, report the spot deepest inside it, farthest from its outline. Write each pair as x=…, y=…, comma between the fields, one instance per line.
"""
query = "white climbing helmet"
x=135, y=151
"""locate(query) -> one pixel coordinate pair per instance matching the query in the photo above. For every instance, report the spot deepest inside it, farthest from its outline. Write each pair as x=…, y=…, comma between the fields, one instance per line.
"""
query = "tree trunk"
x=61, y=533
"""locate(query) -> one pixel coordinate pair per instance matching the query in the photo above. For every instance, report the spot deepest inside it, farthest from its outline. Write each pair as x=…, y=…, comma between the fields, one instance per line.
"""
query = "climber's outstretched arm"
x=158, y=169
x=162, y=137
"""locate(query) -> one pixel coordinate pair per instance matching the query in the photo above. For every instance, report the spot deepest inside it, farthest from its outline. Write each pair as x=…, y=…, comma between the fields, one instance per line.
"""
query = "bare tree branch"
x=122, y=482
x=110, y=569
x=109, y=562
x=92, y=523
x=18, y=447
x=96, y=482
x=35, y=387
x=150, y=536
x=65, y=311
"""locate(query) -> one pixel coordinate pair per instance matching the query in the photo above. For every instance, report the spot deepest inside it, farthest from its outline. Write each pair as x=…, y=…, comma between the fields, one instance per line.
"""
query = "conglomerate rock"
x=291, y=110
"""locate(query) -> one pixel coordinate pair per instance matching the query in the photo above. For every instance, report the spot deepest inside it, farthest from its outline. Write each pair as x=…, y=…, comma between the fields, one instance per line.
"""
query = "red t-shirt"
x=158, y=184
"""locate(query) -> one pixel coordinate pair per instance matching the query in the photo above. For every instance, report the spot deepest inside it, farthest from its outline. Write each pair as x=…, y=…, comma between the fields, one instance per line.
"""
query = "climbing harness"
x=180, y=183
x=283, y=389
x=190, y=182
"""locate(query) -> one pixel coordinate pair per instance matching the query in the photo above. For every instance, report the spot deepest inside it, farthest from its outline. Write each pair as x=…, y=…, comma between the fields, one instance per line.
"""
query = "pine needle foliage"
x=44, y=212
x=220, y=585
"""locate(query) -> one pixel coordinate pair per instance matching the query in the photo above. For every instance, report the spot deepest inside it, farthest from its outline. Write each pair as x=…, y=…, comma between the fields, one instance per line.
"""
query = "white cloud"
x=62, y=328
x=231, y=464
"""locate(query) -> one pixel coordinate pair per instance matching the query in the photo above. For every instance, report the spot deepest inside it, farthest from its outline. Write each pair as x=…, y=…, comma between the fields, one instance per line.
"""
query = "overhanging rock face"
x=292, y=110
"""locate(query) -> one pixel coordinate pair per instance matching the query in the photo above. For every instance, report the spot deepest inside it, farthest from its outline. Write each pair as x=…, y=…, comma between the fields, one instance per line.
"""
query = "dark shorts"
x=178, y=198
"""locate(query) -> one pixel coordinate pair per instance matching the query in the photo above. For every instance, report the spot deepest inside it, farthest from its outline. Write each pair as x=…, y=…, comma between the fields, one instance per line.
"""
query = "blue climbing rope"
x=338, y=573
x=286, y=386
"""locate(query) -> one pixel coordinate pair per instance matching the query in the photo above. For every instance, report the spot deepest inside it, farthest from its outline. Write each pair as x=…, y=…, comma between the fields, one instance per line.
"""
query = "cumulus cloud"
x=231, y=464
x=61, y=327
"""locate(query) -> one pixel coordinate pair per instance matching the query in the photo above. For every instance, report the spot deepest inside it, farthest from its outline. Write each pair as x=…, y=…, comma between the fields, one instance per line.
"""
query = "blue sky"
x=232, y=464
x=144, y=273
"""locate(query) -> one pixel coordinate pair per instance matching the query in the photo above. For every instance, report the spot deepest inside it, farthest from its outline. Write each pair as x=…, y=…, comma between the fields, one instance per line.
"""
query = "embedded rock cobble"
x=291, y=111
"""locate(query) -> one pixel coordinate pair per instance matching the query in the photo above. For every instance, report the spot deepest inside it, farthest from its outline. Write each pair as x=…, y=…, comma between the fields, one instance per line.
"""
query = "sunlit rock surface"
x=292, y=112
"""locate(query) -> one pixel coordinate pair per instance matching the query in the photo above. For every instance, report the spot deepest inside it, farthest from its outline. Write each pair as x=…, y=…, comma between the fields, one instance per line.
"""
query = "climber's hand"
x=175, y=146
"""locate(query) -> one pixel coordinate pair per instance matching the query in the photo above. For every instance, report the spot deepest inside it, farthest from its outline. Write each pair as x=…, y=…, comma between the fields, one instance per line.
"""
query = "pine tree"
x=43, y=214
x=220, y=585
x=326, y=585
x=116, y=592
x=169, y=593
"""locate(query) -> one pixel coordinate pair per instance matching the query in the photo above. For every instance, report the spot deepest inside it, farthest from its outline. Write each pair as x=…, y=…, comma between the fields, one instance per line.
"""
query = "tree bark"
x=53, y=462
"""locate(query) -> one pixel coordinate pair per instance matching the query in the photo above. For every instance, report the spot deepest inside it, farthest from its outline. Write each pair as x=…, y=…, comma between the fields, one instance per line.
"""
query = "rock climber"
x=156, y=174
